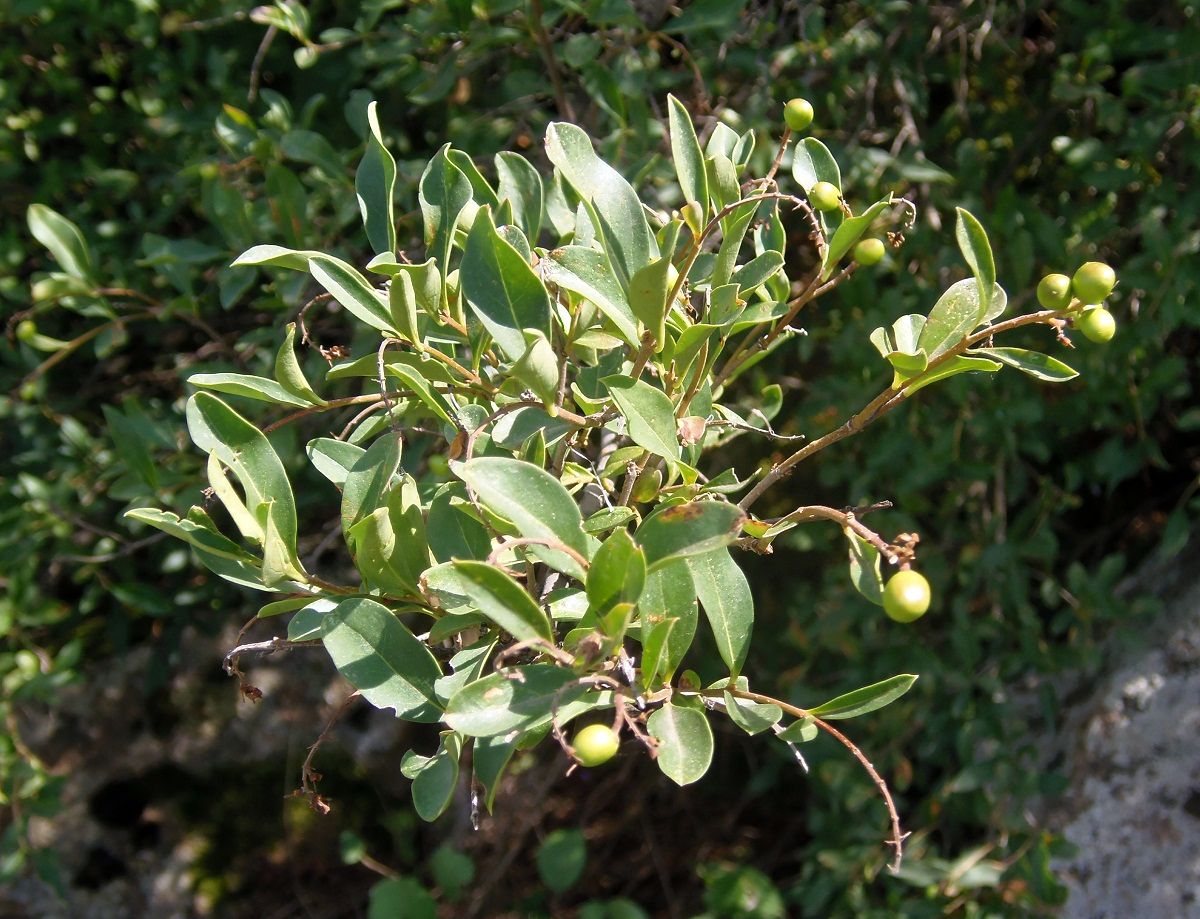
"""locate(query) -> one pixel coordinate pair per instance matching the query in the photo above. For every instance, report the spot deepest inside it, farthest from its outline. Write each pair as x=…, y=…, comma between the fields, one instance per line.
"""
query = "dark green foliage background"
x=1072, y=129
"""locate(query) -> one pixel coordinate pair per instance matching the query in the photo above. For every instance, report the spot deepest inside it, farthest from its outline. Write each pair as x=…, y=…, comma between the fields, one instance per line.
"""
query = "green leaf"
x=382, y=659
x=501, y=288
x=616, y=208
x=755, y=272
x=481, y=191
x=688, y=529
x=587, y=272
x=655, y=647
x=453, y=533
x=521, y=185
x=519, y=699
x=333, y=458
x=248, y=386
x=311, y=148
x=375, y=184
x=452, y=871
x=561, y=859
x=352, y=291
x=279, y=607
x=608, y=518
x=437, y=403
x=132, y=445
x=685, y=742
x=752, y=717
x=685, y=150
x=246, y=522
x=812, y=163
x=974, y=245
x=955, y=315
x=288, y=371
x=195, y=535
x=953, y=367
x=62, y=238
x=389, y=546
x=276, y=257
x=669, y=595
x=443, y=191
x=849, y=232
x=491, y=756
x=725, y=597
x=617, y=573
x=493, y=593
x=369, y=480
x=864, y=568
x=864, y=700
x=1042, y=366
x=648, y=413
x=434, y=778
x=534, y=501
x=400, y=898
x=802, y=730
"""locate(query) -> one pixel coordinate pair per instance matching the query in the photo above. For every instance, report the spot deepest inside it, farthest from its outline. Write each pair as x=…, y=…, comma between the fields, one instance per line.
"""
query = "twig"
x=554, y=544
x=270, y=646
x=538, y=30
x=308, y=775
x=259, y=56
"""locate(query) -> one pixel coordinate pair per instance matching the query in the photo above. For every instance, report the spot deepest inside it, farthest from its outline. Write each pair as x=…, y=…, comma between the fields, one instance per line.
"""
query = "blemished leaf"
x=333, y=458
x=248, y=386
x=725, y=598
x=375, y=185
x=617, y=573
x=957, y=312
x=369, y=480
x=953, y=367
x=685, y=150
x=587, y=272
x=534, y=501
x=849, y=232
x=1042, y=366
x=352, y=291
x=864, y=568
x=864, y=700
x=520, y=699
x=493, y=593
x=561, y=859
x=382, y=659
x=521, y=186
x=752, y=717
x=501, y=288
x=812, y=163
x=615, y=206
x=648, y=413
x=434, y=778
x=688, y=529
x=62, y=238
x=973, y=243
x=288, y=371
x=685, y=742
x=443, y=191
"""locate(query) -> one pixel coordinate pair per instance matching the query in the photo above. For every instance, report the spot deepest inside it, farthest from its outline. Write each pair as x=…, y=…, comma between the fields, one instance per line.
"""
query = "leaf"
x=62, y=238
x=249, y=387
x=375, y=184
x=688, y=529
x=289, y=372
x=755, y=272
x=451, y=532
x=648, y=413
x=864, y=568
x=957, y=312
x=501, y=599
x=1042, y=366
x=521, y=185
x=534, y=501
x=400, y=897
x=388, y=544
x=434, y=778
x=725, y=598
x=246, y=522
x=518, y=699
x=685, y=150
x=501, y=288
x=669, y=596
x=430, y=397
x=587, y=272
x=974, y=245
x=685, y=742
x=352, y=291
x=648, y=290
x=561, y=859
x=849, y=232
x=615, y=205
x=382, y=659
x=333, y=458
x=953, y=367
x=617, y=573
x=802, y=730
x=369, y=480
x=864, y=700
x=607, y=518
x=655, y=648
x=752, y=717
x=443, y=192
x=311, y=148
x=812, y=163
x=276, y=257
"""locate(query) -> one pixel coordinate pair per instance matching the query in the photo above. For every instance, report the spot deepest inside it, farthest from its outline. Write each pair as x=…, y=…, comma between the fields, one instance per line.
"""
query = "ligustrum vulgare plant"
x=527, y=470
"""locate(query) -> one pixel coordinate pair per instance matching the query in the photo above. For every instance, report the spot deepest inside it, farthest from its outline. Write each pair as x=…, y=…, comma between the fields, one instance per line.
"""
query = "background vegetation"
x=177, y=136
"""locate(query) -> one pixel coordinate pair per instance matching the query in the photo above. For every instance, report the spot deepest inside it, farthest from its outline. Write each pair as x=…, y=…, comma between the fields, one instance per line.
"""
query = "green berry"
x=1093, y=282
x=906, y=596
x=1054, y=291
x=868, y=251
x=798, y=114
x=596, y=744
x=825, y=196
x=26, y=330
x=1097, y=325
x=647, y=486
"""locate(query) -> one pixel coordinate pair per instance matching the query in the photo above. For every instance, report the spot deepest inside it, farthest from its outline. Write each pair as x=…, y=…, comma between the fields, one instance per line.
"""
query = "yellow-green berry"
x=1054, y=291
x=869, y=251
x=798, y=114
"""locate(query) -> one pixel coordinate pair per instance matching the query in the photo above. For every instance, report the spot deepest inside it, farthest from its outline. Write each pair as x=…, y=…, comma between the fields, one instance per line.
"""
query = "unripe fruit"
x=596, y=744
x=869, y=251
x=1097, y=325
x=825, y=196
x=26, y=330
x=647, y=486
x=906, y=596
x=1093, y=282
x=798, y=114
x=1054, y=291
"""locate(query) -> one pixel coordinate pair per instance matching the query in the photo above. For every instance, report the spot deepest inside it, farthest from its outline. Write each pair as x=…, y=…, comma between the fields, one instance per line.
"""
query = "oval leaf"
x=648, y=413
x=1042, y=366
x=864, y=700
x=688, y=529
x=493, y=593
x=685, y=742
x=725, y=598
